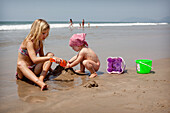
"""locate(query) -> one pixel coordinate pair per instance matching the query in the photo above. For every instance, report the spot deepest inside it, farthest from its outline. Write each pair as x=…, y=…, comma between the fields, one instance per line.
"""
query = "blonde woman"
x=29, y=65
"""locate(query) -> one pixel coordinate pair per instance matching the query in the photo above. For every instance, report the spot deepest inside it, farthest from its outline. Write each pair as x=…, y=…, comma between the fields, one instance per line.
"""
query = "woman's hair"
x=37, y=28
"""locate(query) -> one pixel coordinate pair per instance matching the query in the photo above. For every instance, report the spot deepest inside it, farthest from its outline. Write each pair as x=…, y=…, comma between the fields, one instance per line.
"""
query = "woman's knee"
x=50, y=54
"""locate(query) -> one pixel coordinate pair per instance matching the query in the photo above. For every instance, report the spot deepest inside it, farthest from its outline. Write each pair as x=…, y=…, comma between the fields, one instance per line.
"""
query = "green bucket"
x=143, y=66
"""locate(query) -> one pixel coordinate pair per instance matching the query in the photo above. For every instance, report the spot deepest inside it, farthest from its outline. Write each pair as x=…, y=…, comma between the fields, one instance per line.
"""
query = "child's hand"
x=67, y=66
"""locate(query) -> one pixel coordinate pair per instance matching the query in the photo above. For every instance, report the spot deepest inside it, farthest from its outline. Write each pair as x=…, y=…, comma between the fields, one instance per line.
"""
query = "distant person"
x=80, y=25
x=88, y=25
x=29, y=65
x=86, y=57
x=83, y=23
x=71, y=24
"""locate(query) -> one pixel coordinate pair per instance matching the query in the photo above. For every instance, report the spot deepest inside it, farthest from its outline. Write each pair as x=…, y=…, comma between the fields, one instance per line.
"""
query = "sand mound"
x=91, y=84
x=64, y=74
x=69, y=75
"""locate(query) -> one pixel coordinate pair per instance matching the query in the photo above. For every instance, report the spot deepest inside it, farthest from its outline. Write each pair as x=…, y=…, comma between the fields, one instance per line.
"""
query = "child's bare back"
x=89, y=54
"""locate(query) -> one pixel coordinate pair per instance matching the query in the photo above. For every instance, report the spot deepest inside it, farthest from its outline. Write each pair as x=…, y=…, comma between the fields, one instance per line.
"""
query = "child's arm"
x=72, y=59
x=41, y=53
x=78, y=60
x=33, y=55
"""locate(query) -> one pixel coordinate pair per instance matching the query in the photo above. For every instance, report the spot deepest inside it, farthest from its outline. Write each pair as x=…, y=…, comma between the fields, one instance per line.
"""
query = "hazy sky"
x=91, y=10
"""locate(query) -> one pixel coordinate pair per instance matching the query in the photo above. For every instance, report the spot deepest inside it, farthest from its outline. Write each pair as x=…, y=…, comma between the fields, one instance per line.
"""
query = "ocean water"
x=21, y=25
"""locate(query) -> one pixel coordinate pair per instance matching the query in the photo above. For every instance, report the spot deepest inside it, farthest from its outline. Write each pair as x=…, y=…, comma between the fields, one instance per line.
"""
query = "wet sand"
x=126, y=93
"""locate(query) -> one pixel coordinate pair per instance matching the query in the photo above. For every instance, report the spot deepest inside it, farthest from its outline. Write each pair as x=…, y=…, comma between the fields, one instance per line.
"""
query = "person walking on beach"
x=83, y=23
x=86, y=56
x=29, y=65
x=71, y=24
x=80, y=25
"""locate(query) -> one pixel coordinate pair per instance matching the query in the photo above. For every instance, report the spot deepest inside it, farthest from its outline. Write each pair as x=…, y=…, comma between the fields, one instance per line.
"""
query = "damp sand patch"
x=64, y=79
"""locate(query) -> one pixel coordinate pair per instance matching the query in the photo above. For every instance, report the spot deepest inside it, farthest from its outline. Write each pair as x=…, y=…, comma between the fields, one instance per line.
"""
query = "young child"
x=29, y=64
x=86, y=56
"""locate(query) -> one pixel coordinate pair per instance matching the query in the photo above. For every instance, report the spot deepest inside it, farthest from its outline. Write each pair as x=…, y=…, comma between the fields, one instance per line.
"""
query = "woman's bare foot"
x=79, y=71
x=93, y=75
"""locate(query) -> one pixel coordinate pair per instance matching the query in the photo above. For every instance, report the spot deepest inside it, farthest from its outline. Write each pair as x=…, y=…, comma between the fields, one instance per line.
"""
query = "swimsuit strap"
x=32, y=67
x=23, y=51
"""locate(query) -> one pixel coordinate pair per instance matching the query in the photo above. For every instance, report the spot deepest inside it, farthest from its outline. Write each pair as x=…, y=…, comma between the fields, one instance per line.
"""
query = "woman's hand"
x=57, y=60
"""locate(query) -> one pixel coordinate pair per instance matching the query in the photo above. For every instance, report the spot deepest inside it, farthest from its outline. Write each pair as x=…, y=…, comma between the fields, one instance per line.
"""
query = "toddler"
x=86, y=57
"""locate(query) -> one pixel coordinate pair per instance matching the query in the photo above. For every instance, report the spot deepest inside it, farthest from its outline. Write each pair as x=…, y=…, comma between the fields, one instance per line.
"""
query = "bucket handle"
x=146, y=64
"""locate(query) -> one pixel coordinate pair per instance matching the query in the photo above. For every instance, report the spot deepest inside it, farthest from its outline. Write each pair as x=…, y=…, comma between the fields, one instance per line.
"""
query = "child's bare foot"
x=41, y=79
x=79, y=71
x=44, y=87
x=93, y=75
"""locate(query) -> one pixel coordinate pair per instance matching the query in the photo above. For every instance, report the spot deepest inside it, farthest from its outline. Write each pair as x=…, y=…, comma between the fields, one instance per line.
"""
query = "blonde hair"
x=37, y=28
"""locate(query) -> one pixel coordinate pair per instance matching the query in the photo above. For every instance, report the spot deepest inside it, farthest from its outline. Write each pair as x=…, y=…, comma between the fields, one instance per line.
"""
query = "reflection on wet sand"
x=66, y=85
x=62, y=80
x=29, y=93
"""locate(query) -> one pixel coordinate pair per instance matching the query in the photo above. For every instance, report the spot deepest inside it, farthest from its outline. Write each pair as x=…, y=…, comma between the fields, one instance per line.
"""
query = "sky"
x=90, y=10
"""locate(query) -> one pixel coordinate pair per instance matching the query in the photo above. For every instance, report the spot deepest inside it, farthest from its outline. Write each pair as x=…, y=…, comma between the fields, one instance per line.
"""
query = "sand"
x=125, y=93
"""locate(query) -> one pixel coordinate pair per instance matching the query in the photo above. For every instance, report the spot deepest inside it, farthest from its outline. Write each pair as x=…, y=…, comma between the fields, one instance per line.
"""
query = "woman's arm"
x=32, y=54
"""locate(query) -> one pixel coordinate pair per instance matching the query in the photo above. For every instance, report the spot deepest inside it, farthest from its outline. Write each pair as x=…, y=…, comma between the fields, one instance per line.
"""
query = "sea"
x=23, y=25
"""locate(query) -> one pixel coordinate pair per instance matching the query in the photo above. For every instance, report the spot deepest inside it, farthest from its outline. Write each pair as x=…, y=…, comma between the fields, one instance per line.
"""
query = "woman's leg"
x=23, y=68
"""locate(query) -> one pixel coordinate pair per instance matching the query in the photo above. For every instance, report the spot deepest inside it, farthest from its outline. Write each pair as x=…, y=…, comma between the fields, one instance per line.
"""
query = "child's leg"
x=21, y=65
x=92, y=67
x=82, y=68
x=19, y=74
x=45, y=67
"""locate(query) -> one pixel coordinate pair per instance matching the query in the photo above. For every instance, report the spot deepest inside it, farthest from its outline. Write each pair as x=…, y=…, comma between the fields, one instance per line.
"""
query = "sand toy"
x=62, y=63
x=115, y=65
x=143, y=66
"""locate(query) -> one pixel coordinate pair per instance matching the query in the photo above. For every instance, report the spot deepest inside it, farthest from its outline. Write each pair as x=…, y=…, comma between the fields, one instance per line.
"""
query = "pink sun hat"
x=78, y=40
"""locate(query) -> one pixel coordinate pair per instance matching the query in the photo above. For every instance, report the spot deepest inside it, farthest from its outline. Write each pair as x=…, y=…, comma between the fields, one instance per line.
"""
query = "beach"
x=125, y=93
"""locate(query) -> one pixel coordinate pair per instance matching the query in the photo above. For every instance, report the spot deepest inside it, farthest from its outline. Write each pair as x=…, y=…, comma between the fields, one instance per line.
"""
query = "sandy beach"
x=128, y=93
x=125, y=93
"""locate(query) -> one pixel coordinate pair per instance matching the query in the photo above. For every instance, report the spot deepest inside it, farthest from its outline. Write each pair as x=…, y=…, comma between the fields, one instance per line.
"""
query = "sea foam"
x=58, y=25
